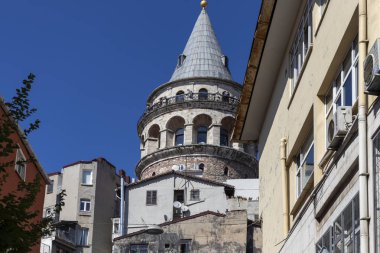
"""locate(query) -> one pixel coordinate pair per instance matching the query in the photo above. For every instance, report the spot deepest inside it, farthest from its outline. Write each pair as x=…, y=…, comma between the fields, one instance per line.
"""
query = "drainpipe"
x=122, y=206
x=285, y=180
x=362, y=126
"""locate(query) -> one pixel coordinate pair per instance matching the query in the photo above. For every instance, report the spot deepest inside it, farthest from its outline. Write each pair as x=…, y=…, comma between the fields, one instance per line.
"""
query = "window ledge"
x=84, y=213
x=300, y=75
x=82, y=184
x=303, y=196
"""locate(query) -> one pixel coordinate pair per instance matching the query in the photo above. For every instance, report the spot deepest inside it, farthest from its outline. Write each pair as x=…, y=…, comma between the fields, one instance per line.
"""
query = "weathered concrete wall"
x=212, y=234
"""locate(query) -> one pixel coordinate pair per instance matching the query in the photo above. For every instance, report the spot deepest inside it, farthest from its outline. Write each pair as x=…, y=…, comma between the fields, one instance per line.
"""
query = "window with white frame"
x=194, y=195
x=20, y=166
x=151, y=197
x=301, y=45
x=82, y=237
x=87, y=177
x=85, y=205
x=185, y=246
x=344, y=89
x=305, y=164
x=50, y=187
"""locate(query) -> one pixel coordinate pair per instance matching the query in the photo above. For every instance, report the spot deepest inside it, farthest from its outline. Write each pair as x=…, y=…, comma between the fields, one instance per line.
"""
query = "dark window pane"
x=347, y=89
x=223, y=137
x=180, y=96
x=179, y=134
x=203, y=94
x=202, y=134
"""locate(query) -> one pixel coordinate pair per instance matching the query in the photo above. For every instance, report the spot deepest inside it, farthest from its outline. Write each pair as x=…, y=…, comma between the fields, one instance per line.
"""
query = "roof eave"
x=257, y=49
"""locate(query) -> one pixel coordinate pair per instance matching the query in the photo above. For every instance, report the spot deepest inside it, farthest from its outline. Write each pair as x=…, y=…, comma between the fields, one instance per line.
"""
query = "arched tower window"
x=203, y=94
x=223, y=137
x=175, y=131
x=225, y=130
x=201, y=124
x=179, y=134
x=226, y=171
x=202, y=135
x=225, y=96
x=180, y=96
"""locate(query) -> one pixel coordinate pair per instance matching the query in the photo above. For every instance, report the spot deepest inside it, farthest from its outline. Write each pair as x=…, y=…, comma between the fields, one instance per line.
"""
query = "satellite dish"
x=177, y=204
x=175, y=167
x=184, y=208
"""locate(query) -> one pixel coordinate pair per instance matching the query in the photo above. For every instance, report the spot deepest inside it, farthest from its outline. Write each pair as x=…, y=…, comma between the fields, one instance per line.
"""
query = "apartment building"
x=304, y=104
x=23, y=166
x=85, y=222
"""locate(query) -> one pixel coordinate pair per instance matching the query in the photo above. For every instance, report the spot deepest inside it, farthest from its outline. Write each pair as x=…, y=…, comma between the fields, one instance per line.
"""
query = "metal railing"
x=190, y=97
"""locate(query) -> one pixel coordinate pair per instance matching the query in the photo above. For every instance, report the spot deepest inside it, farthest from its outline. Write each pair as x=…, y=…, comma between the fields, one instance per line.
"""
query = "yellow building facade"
x=300, y=103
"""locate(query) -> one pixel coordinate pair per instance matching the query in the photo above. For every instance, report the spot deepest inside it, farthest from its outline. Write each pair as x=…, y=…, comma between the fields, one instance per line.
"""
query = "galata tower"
x=188, y=121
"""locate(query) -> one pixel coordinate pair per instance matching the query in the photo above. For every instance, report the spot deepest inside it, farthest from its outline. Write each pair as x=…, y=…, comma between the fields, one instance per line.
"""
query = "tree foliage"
x=20, y=226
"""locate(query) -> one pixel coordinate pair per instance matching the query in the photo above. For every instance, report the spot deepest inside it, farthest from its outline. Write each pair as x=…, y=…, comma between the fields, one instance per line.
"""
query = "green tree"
x=19, y=228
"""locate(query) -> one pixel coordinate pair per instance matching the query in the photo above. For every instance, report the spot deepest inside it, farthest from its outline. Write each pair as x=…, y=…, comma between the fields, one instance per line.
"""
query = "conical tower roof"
x=203, y=55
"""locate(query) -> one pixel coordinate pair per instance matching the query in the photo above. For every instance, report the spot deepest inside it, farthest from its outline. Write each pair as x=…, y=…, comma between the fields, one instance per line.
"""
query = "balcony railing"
x=199, y=100
x=67, y=234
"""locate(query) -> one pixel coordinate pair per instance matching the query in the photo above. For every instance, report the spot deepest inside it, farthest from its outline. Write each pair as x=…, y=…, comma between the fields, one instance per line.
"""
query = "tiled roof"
x=203, y=54
x=181, y=174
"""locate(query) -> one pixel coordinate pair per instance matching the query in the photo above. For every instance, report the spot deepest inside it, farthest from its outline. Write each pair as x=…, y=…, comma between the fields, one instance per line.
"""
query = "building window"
x=85, y=205
x=151, y=197
x=50, y=187
x=201, y=166
x=301, y=45
x=116, y=226
x=305, y=164
x=82, y=237
x=185, y=246
x=139, y=248
x=376, y=182
x=202, y=135
x=223, y=137
x=226, y=96
x=344, y=89
x=180, y=96
x=194, y=195
x=325, y=242
x=179, y=136
x=203, y=94
x=87, y=177
x=20, y=166
x=226, y=171
x=346, y=230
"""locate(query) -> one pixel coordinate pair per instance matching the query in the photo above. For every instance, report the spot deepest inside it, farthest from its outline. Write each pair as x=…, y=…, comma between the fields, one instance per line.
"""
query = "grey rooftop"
x=203, y=55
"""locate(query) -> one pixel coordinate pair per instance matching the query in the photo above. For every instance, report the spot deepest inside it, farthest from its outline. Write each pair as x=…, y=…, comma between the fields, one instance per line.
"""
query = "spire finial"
x=204, y=4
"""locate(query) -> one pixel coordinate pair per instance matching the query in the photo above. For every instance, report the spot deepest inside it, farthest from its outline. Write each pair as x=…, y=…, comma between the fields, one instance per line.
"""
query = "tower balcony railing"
x=190, y=100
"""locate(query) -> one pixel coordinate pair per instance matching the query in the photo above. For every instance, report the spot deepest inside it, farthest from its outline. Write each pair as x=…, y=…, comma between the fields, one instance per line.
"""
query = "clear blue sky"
x=97, y=61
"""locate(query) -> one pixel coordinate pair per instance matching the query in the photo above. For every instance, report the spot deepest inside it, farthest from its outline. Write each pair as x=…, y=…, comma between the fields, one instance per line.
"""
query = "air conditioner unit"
x=338, y=126
x=372, y=70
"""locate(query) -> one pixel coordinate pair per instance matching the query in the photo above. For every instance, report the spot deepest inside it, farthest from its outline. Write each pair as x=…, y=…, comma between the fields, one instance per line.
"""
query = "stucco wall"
x=293, y=117
x=212, y=198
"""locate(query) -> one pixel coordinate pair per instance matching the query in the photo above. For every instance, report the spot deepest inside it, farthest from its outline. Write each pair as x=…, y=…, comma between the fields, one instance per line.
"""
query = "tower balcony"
x=210, y=161
x=213, y=101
